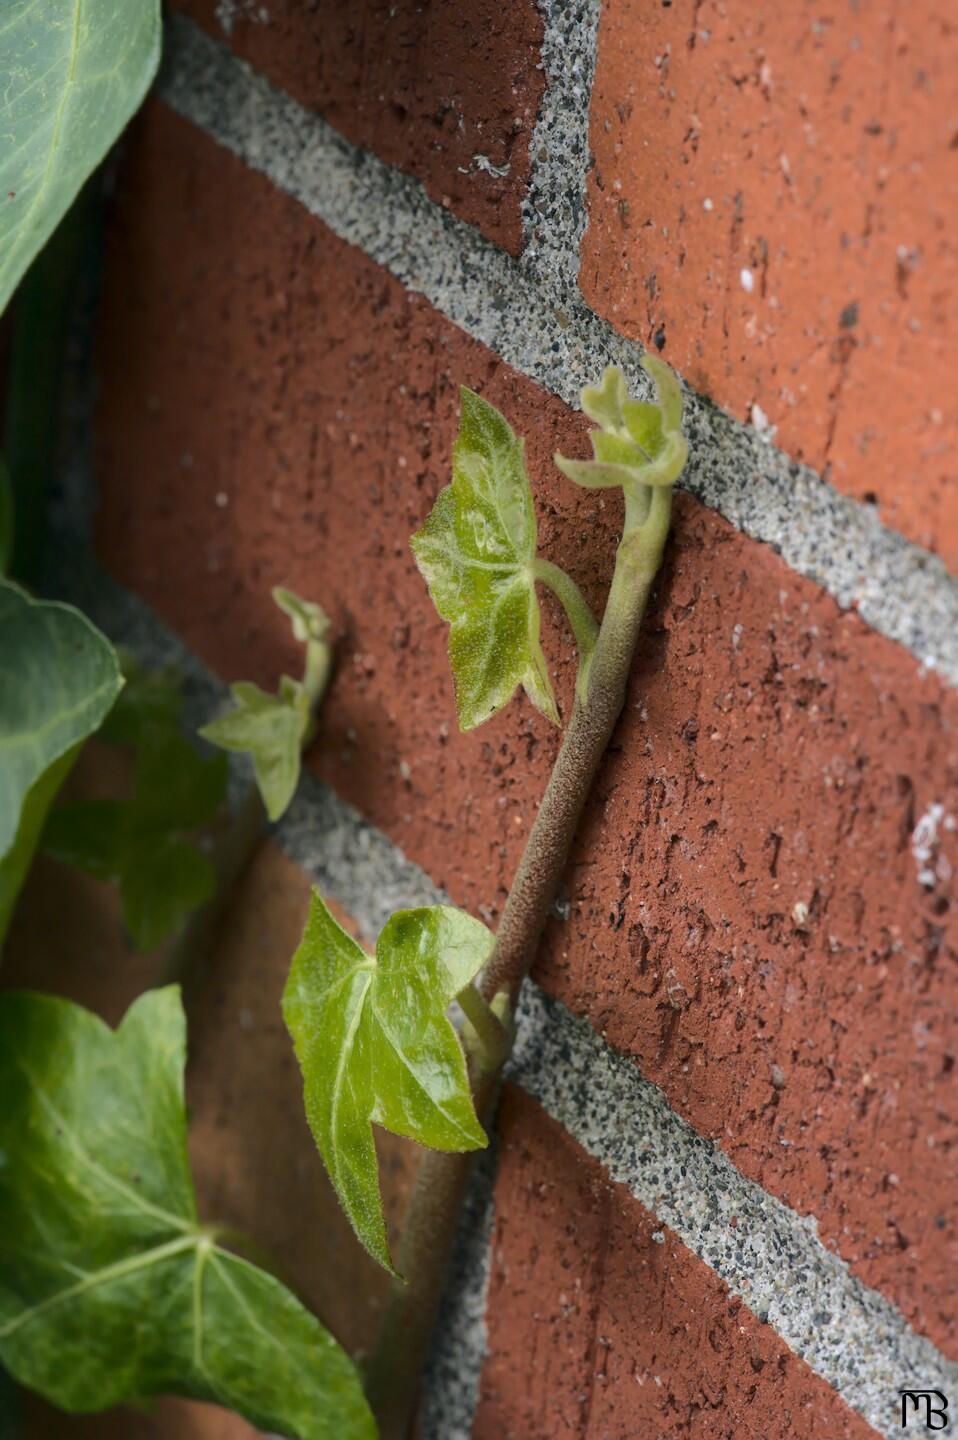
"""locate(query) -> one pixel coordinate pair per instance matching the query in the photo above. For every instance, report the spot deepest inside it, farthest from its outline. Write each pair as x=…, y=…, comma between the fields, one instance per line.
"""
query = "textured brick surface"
x=745, y=912
x=254, y=1162
x=771, y=206
x=603, y=1326
x=448, y=92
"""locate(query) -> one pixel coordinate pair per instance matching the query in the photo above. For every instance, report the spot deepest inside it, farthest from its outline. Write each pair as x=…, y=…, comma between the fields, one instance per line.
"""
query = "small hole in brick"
x=659, y=338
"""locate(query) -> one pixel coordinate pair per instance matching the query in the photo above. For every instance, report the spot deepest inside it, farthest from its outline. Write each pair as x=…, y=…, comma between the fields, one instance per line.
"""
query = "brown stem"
x=393, y=1373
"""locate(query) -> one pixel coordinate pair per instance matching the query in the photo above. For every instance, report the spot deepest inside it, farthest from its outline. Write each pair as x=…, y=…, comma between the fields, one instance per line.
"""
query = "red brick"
x=603, y=1326
x=813, y=146
x=442, y=90
x=774, y=752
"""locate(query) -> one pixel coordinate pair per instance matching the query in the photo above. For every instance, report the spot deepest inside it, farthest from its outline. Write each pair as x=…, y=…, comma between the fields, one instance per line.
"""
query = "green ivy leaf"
x=375, y=1044
x=111, y=1289
x=476, y=553
x=58, y=679
x=638, y=443
x=140, y=841
x=73, y=75
x=271, y=729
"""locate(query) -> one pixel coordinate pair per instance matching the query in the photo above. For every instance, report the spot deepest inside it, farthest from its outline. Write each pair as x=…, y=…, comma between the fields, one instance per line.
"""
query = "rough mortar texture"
x=447, y=92
x=554, y=210
x=901, y=590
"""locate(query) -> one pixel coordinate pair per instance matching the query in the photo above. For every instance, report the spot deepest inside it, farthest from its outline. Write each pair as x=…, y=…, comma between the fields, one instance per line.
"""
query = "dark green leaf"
x=58, y=679
x=73, y=74
x=6, y=519
x=375, y=1045
x=110, y=1288
x=476, y=553
x=87, y=834
x=139, y=841
x=162, y=881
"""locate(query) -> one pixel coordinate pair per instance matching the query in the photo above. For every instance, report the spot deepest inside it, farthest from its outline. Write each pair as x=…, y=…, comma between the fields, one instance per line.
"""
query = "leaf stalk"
x=578, y=611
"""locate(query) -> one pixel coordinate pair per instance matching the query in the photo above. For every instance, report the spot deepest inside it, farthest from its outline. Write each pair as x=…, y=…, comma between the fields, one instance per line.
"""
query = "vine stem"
x=394, y=1369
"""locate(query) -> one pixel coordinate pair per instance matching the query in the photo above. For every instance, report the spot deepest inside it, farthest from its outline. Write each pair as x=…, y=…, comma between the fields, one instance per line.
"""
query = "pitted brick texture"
x=603, y=1326
x=745, y=913
x=445, y=91
x=771, y=206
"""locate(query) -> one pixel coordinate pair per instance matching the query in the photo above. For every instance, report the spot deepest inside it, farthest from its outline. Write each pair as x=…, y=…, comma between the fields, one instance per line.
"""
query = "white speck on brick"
x=924, y=841
x=763, y=426
x=747, y=280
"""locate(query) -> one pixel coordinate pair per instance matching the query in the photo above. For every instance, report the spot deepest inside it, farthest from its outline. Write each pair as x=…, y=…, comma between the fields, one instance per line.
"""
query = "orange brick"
x=772, y=206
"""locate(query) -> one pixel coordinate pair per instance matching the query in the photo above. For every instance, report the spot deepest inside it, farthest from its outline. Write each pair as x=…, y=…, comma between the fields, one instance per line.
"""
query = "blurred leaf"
x=271, y=729
x=58, y=678
x=139, y=841
x=375, y=1045
x=112, y=1291
x=476, y=553
x=310, y=621
x=73, y=74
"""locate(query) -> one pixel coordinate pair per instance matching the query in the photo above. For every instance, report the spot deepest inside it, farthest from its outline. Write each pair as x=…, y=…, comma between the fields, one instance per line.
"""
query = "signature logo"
x=932, y=1402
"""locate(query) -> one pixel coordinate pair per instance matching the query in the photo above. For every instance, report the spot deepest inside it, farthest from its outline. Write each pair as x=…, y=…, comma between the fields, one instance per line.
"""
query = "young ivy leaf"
x=272, y=729
x=140, y=842
x=476, y=553
x=374, y=1044
x=111, y=1290
x=58, y=678
x=638, y=442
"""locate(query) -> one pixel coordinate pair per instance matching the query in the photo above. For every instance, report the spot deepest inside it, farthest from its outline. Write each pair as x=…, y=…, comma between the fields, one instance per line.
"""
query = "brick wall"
x=723, y=1198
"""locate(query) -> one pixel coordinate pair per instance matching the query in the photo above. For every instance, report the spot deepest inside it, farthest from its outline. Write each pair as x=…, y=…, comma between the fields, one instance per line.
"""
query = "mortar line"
x=847, y=1332
x=554, y=207
x=548, y=333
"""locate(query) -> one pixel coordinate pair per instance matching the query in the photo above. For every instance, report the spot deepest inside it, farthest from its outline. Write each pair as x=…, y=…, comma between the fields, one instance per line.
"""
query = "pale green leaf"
x=638, y=443
x=476, y=552
x=310, y=621
x=140, y=841
x=271, y=729
x=72, y=73
x=110, y=1289
x=58, y=679
x=603, y=403
x=375, y=1045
